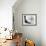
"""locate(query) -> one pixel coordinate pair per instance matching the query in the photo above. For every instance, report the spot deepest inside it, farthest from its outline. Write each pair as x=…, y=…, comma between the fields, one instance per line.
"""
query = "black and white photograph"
x=29, y=19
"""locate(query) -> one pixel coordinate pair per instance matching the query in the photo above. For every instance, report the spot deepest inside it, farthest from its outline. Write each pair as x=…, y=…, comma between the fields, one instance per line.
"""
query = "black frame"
x=30, y=15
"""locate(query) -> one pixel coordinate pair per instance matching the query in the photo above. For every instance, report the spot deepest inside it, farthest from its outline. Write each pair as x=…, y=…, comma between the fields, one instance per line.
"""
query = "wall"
x=43, y=22
x=28, y=7
x=6, y=13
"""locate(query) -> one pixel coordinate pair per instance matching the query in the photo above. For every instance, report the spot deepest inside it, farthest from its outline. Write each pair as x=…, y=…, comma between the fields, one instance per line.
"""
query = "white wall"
x=6, y=13
x=43, y=22
x=28, y=7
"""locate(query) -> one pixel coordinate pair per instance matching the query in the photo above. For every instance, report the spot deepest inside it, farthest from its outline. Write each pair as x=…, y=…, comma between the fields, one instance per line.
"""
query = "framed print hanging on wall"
x=29, y=19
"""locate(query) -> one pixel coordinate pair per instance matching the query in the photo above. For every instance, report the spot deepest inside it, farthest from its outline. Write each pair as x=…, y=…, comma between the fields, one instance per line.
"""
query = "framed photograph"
x=29, y=19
